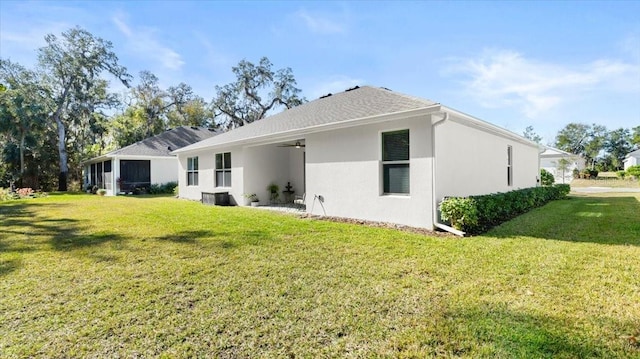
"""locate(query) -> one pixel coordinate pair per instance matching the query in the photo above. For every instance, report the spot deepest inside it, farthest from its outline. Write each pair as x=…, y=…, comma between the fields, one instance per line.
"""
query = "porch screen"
x=135, y=174
x=395, y=162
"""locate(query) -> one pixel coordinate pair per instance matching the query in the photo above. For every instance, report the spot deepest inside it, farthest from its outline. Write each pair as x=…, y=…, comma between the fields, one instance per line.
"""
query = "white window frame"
x=510, y=166
x=192, y=171
x=384, y=163
x=222, y=170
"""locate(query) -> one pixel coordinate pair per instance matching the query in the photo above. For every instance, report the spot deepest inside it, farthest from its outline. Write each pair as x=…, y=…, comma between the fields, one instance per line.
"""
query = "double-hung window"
x=223, y=169
x=395, y=162
x=192, y=171
x=509, y=166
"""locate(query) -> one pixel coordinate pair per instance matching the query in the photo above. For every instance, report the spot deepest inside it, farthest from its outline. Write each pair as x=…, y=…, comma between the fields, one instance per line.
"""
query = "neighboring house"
x=632, y=159
x=366, y=153
x=561, y=164
x=143, y=163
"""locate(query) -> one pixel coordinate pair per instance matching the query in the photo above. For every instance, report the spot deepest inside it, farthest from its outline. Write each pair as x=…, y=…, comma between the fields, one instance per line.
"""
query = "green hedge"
x=165, y=188
x=477, y=214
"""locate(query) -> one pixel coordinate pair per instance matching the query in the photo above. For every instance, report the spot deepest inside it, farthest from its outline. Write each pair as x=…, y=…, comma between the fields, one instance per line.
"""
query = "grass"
x=90, y=276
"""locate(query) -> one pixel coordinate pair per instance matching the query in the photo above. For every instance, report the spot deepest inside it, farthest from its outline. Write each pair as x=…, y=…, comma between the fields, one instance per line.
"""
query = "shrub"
x=460, y=212
x=477, y=214
x=546, y=178
x=6, y=194
x=634, y=171
x=621, y=174
x=576, y=173
x=101, y=192
x=165, y=188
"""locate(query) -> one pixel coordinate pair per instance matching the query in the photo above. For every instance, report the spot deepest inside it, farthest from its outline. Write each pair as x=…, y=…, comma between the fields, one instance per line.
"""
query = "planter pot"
x=255, y=204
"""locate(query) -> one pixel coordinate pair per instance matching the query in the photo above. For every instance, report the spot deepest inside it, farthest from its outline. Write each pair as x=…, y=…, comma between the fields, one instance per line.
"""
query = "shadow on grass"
x=524, y=335
x=9, y=266
x=221, y=239
x=22, y=229
x=603, y=220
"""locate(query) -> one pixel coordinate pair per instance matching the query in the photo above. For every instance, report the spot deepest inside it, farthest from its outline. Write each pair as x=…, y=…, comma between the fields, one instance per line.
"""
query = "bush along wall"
x=477, y=214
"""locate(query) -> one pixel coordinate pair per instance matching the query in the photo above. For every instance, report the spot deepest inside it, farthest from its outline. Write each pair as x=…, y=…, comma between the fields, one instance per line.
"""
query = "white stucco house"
x=366, y=153
x=143, y=163
x=632, y=159
x=561, y=163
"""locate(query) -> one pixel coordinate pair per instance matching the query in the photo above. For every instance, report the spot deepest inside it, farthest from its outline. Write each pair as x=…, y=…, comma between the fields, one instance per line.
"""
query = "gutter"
x=437, y=224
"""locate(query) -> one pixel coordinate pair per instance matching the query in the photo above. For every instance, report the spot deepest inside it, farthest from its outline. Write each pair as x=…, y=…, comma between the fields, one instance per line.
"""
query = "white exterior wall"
x=206, y=175
x=631, y=161
x=470, y=161
x=344, y=167
x=163, y=170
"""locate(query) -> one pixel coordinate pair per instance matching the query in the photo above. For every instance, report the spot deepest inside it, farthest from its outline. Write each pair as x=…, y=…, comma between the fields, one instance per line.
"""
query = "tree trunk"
x=62, y=152
x=23, y=136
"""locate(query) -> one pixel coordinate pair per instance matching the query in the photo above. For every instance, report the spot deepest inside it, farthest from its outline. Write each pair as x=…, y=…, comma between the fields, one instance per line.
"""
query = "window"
x=395, y=162
x=509, y=166
x=192, y=171
x=223, y=169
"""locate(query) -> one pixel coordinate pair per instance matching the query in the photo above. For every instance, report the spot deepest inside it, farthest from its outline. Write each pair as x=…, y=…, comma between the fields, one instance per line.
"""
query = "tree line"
x=602, y=149
x=63, y=112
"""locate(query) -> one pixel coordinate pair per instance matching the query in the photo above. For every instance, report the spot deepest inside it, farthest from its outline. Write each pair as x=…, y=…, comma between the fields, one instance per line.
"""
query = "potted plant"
x=274, y=191
x=253, y=199
x=102, y=192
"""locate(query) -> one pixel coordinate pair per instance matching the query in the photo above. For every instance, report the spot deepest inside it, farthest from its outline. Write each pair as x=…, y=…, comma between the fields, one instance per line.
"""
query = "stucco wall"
x=344, y=167
x=631, y=161
x=206, y=175
x=471, y=162
x=163, y=170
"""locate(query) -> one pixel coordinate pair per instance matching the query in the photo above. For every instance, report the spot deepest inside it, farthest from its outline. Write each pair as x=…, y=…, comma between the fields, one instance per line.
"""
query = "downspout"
x=433, y=180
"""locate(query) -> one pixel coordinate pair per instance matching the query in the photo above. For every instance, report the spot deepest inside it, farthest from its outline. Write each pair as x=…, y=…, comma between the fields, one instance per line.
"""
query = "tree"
x=73, y=65
x=582, y=139
x=617, y=145
x=257, y=90
x=530, y=134
x=635, y=139
x=563, y=166
x=22, y=107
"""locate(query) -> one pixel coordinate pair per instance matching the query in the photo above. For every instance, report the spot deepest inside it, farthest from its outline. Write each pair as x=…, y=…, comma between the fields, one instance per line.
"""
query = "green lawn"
x=90, y=276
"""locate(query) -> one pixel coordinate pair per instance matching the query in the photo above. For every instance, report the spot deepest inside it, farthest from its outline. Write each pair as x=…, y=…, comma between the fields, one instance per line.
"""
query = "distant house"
x=561, y=163
x=632, y=159
x=143, y=163
x=367, y=153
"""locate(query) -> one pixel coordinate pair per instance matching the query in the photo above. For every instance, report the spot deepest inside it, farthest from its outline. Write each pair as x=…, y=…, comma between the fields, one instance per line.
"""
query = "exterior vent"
x=351, y=89
x=327, y=95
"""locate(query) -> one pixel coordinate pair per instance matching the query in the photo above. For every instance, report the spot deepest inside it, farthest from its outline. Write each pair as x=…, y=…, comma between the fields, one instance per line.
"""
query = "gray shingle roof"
x=164, y=143
x=352, y=104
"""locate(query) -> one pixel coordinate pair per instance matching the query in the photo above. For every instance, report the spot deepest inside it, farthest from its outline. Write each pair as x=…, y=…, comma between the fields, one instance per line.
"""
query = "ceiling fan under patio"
x=296, y=145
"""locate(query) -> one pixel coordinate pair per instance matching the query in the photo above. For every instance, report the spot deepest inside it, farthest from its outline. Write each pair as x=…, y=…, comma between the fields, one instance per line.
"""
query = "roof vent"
x=351, y=89
x=211, y=129
x=169, y=148
x=194, y=128
x=384, y=88
x=327, y=95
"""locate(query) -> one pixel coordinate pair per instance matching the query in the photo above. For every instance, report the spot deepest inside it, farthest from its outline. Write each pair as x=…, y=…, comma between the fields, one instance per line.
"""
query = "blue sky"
x=514, y=64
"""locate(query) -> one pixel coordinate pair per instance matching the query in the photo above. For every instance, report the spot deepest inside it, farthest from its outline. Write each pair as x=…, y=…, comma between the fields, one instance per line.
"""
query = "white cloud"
x=333, y=85
x=320, y=24
x=508, y=79
x=143, y=41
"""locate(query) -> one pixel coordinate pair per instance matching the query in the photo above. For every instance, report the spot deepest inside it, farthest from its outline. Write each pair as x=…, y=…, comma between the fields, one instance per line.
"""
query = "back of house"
x=367, y=153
